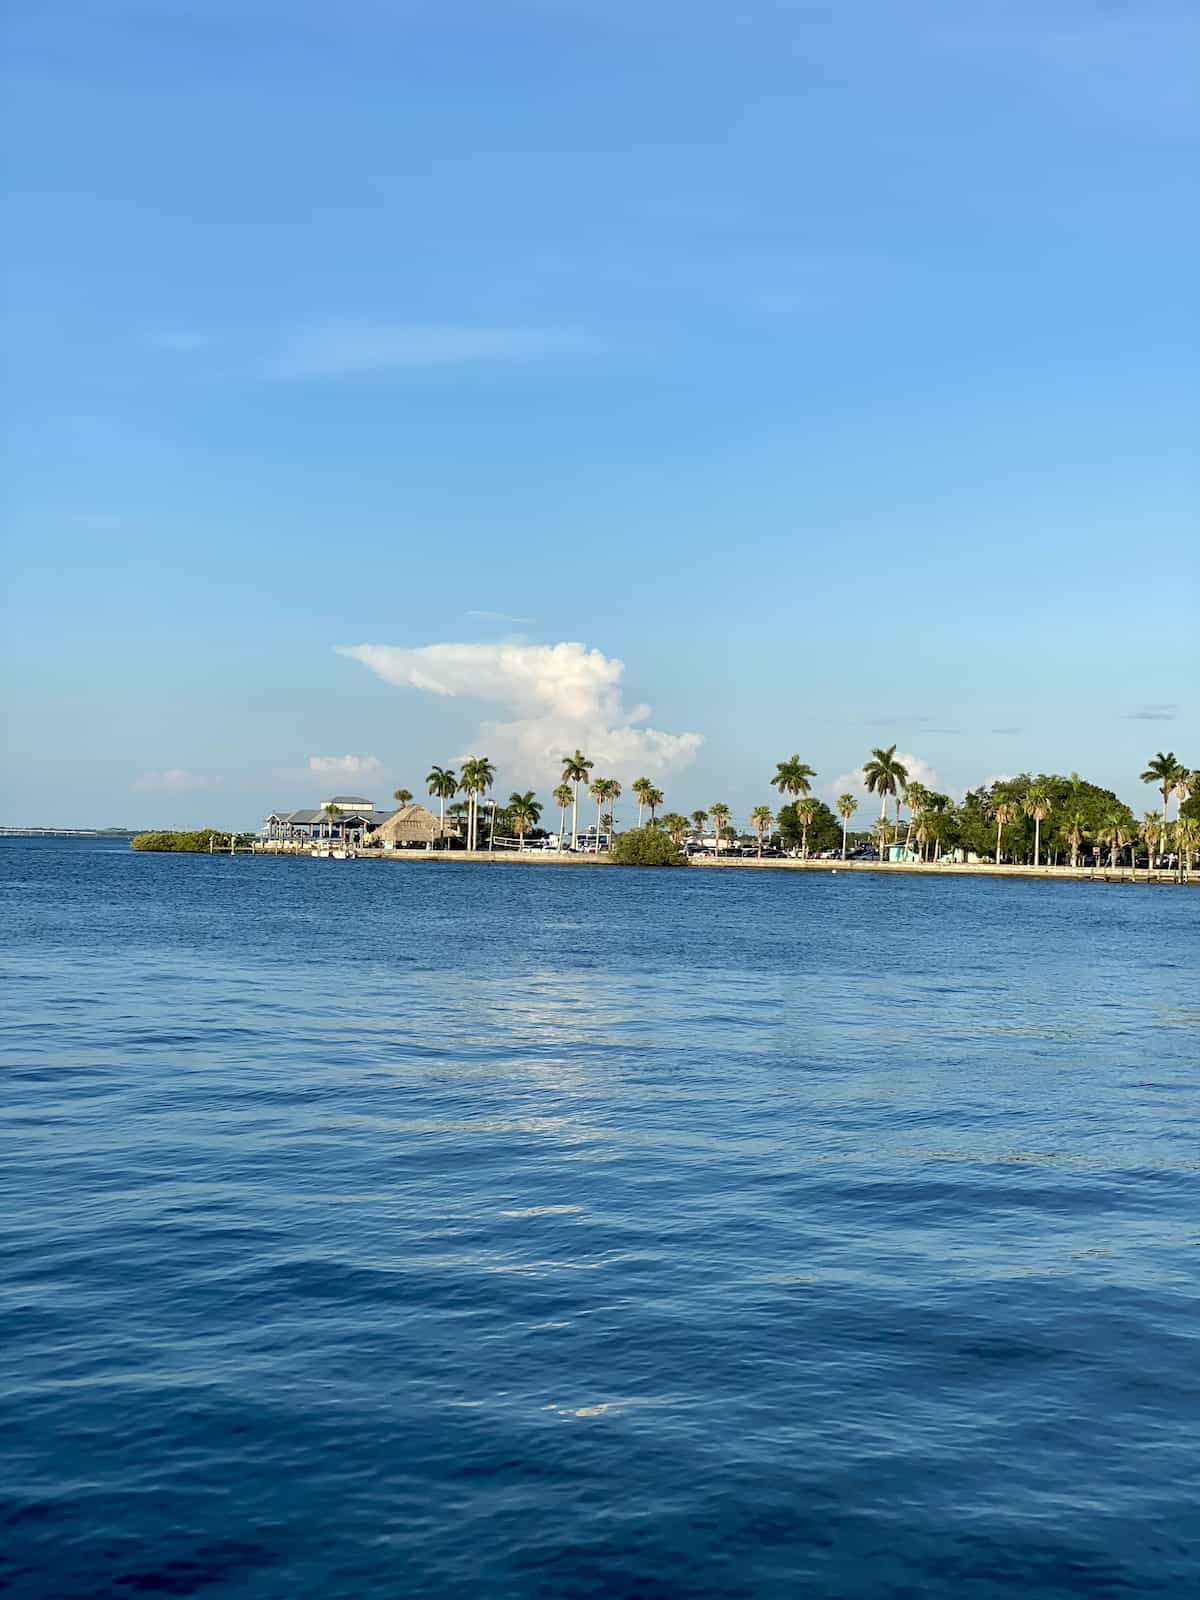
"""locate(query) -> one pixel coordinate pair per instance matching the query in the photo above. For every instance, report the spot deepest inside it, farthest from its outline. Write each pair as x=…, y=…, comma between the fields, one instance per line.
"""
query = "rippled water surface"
x=515, y=1231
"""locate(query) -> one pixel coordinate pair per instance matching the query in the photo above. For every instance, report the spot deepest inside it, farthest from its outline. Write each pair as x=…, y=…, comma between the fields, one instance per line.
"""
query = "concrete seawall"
x=943, y=869
x=949, y=869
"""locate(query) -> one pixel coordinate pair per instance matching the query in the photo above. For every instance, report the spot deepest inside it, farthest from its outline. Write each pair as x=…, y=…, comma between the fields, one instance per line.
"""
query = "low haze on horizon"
x=697, y=388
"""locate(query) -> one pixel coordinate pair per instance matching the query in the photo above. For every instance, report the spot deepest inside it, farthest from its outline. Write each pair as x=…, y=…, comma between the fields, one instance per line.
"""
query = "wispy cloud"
x=343, y=347
x=1161, y=711
x=496, y=616
x=558, y=697
x=1006, y=730
x=175, y=780
x=1132, y=60
x=330, y=349
x=344, y=766
x=178, y=341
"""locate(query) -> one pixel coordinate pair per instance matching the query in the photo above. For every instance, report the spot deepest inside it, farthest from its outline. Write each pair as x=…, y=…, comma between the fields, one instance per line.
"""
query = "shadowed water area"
x=525, y=1231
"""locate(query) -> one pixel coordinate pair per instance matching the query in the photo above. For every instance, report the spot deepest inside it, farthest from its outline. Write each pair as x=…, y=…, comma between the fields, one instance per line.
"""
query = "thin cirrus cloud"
x=343, y=347
x=556, y=698
x=1163, y=711
x=174, y=780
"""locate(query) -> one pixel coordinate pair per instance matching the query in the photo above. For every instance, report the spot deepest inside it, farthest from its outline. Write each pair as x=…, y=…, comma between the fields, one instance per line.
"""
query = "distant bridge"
x=66, y=833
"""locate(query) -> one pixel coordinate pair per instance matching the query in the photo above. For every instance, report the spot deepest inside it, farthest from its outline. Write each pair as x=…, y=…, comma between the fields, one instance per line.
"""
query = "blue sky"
x=830, y=367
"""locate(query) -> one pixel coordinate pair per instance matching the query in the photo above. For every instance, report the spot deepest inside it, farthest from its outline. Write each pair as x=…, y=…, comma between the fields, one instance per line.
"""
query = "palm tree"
x=791, y=777
x=654, y=799
x=676, y=826
x=937, y=817
x=761, y=820
x=1004, y=808
x=805, y=811
x=699, y=821
x=562, y=799
x=1186, y=783
x=1187, y=840
x=1115, y=831
x=1074, y=827
x=640, y=787
x=442, y=786
x=402, y=797
x=603, y=790
x=916, y=798
x=847, y=805
x=612, y=793
x=466, y=785
x=925, y=831
x=1038, y=805
x=884, y=775
x=720, y=816
x=1153, y=831
x=575, y=772
x=469, y=785
x=525, y=813
x=332, y=812
x=883, y=835
x=478, y=775
x=1164, y=771
x=599, y=794
x=1129, y=832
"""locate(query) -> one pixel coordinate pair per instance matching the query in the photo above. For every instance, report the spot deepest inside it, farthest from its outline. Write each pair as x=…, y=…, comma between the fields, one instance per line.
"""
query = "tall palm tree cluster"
x=523, y=811
x=1024, y=819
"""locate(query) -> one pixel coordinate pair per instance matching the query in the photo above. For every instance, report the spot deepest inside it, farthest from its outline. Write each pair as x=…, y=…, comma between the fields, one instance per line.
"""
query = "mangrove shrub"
x=186, y=842
x=646, y=847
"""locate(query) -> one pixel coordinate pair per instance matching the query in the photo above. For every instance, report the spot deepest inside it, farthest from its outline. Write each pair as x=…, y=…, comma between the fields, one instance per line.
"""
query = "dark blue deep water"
x=521, y=1231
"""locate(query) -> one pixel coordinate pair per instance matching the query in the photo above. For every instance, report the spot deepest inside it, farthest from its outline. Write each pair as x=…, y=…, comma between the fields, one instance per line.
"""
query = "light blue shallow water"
x=530, y=1231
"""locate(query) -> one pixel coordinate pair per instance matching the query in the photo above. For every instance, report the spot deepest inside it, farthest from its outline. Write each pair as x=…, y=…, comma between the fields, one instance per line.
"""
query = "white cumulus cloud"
x=175, y=780
x=344, y=766
x=555, y=698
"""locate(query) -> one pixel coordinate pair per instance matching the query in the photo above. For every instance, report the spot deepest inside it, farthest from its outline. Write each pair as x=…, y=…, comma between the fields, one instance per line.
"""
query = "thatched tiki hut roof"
x=409, y=825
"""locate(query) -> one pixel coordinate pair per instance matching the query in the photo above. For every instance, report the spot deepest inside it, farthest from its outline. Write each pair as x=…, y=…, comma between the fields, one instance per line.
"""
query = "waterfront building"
x=359, y=820
x=355, y=817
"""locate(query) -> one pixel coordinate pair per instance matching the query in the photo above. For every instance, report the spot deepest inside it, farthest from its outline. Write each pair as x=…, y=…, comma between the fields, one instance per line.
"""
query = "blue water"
x=522, y=1231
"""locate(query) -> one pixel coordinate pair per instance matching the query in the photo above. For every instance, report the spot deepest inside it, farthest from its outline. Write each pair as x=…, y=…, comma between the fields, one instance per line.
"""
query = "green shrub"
x=186, y=841
x=646, y=847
